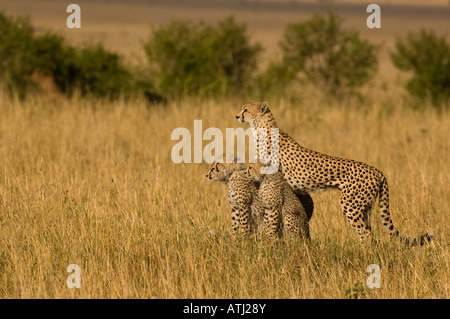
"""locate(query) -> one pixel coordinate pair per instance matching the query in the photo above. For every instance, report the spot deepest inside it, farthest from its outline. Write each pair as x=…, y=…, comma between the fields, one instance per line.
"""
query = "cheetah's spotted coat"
x=247, y=203
x=242, y=195
x=278, y=197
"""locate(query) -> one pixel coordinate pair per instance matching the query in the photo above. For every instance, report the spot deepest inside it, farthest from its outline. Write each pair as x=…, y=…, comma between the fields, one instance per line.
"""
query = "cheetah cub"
x=242, y=194
x=279, y=199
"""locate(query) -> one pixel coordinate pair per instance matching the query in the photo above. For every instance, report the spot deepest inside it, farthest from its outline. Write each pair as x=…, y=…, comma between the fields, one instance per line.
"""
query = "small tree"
x=199, y=59
x=91, y=70
x=16, y=54
x=321, y=50
x=427, y=56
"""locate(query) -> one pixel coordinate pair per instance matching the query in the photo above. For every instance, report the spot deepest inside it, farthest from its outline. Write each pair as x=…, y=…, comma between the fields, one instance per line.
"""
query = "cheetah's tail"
x=387, y=222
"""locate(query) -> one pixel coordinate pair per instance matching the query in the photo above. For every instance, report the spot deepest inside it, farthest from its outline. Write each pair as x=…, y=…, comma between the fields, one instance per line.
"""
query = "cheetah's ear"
x=264, y=107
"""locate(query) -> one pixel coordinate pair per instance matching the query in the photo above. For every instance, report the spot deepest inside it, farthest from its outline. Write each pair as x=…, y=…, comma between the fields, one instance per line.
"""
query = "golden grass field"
x=92, y=183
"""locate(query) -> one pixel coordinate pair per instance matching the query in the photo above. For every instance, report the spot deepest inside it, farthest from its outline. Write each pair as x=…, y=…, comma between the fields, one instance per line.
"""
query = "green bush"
x=94, y=71
x=51, y=58
x=329, y=56
x=198, y=59
x=16, y=55
x=274, y=81
x=427, y=56
x=90, y=70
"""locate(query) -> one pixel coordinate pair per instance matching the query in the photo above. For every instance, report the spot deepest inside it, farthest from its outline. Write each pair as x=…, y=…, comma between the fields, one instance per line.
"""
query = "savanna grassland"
x=92, y=183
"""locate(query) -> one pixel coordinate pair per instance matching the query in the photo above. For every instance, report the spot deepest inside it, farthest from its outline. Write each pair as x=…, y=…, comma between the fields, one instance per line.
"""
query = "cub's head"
x=222, y=168
x=252, y=113
x=217, y=173
x=253, y=171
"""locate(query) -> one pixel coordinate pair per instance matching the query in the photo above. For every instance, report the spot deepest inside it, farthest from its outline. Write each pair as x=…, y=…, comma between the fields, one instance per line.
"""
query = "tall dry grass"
x=93, y=184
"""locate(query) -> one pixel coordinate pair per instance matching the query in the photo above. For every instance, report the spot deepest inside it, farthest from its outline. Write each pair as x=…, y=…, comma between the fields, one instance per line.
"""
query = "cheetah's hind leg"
x=356, y=209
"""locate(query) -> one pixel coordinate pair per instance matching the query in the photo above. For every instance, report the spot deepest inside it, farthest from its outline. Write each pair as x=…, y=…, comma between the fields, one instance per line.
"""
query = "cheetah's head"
x=217, y=172
x=252, y=113
x=253, y=171
x=223, y=167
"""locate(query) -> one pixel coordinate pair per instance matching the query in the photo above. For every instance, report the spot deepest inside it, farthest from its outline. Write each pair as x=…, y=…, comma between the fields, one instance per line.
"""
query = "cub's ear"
x=264, y=107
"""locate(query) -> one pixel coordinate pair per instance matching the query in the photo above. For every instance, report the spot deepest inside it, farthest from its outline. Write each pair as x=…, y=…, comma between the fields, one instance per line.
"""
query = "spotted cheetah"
x=279, y=199
x=308, y=170
x=242, y=194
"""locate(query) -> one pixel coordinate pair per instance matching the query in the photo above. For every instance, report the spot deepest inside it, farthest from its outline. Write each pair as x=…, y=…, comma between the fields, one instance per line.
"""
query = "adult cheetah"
x=307, y=170
x=278, y=199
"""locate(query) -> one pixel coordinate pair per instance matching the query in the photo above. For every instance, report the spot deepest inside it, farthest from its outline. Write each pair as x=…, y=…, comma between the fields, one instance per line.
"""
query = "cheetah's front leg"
x=271, y=223
x=244, y=225
x=235, y=219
